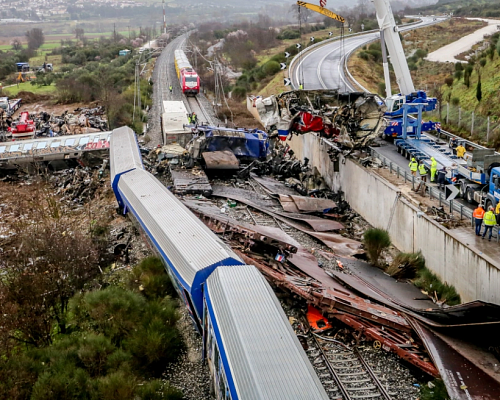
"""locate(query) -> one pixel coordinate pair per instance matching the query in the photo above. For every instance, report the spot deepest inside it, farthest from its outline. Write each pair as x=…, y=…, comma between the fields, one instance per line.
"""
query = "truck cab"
x=493, y=196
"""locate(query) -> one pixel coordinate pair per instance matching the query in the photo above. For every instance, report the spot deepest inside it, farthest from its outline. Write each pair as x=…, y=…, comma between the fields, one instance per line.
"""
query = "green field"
x=28, y=87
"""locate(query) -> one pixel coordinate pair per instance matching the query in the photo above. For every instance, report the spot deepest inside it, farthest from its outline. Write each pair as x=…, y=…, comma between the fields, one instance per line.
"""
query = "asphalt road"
x=323, y=67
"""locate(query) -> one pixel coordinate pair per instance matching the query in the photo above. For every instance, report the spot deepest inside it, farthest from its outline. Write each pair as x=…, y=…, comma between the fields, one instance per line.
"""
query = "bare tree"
x=301, y=14
x=79, y=33
x=51, y=260
x=35, y=38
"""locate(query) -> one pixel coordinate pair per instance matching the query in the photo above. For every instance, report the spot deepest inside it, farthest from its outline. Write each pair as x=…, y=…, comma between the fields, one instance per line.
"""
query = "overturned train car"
x=248, y=343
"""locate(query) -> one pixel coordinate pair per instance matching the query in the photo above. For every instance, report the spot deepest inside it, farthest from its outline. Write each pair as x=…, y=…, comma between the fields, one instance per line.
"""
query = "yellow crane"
x=321, y=10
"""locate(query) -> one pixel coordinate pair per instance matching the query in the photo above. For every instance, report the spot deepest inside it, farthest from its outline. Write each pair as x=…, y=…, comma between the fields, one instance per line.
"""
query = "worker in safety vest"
x=301, y=87
x=478, y=215
x=489, y=222
x=460, y=151
x=434, y=168
x=170, y=88
x=422, y=170
x=189, y=119
x=413, y=166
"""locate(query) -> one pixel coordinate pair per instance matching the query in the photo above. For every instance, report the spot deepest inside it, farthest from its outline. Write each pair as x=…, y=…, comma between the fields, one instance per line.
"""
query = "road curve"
x=323, y=66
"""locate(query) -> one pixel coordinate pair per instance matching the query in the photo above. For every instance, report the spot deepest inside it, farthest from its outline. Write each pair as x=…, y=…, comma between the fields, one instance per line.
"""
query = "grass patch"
x=429, y=282
x=436, y=391
x=406, y=265
x=376, y=240
x=12, y=91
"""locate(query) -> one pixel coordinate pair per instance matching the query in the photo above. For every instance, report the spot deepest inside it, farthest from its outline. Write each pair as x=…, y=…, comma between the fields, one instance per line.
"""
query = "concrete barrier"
x=474, y=275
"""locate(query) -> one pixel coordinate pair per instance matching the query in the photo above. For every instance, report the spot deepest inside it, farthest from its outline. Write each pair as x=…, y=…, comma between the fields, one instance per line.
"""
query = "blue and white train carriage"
x=251, y=348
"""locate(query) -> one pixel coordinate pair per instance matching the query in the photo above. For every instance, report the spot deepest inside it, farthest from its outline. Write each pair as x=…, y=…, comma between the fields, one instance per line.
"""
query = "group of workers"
x=421, y=168
x=490, y=219
x=193, y=118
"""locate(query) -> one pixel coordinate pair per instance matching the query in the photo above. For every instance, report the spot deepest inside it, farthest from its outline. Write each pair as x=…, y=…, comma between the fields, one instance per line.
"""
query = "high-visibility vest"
x=434, y=164
x=497, y=210
x=413, y=166
x=490, y=219
x=478, y=213
x=460, y=151
x=422, y=170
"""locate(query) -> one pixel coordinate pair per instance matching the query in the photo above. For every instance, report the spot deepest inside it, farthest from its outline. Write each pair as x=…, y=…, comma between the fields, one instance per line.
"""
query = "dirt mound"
x=30, y=97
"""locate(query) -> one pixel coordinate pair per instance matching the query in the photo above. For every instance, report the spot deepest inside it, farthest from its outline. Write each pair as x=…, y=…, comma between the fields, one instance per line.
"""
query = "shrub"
x=376, y=240
x=157, y=390
x=117, y=386
x=113, y=312
x=459, y=66
x=94, y=353
x=428, y=281
x=364, y=55
x=458, y=75
x=271, y=67
x=239, y=93
x=435, y=391
x=68, y=383
x=406, y=265
x=288, y=34
x=449, y=81
x=482, y=62
x=421, y=53
x=151, y=276
x=455, y=101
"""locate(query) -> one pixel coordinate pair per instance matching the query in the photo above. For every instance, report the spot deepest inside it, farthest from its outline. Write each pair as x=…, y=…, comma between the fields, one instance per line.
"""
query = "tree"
x=449, y=81
x=16, y=44
x=79, y=33
x=35, y=38
x=479, y=92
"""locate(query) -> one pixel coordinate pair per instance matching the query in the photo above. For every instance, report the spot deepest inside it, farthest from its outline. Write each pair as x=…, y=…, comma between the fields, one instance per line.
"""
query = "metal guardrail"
x=432, y=191
x=330, y=40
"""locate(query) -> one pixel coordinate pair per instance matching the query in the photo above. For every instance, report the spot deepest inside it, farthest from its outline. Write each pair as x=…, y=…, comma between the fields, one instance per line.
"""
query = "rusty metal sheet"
x=220, y=223
x=288, y=204
x=254, y=200
x=464, y=380
x=190, y=182
x=273, y=186
x=225, y=160
x=306, y=204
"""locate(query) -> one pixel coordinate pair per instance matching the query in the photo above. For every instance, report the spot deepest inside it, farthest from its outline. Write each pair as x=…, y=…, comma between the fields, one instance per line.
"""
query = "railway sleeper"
x=357, y=389
x=366, y=396
x=358, y=381
x=345, y=361
x=352, y=374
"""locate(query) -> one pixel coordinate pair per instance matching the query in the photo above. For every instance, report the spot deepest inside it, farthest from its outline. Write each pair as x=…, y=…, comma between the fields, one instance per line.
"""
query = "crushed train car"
x=351, y=119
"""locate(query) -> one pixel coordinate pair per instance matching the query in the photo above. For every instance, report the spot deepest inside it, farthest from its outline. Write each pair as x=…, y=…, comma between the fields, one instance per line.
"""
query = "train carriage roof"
x=184, y=242
x=256, y=341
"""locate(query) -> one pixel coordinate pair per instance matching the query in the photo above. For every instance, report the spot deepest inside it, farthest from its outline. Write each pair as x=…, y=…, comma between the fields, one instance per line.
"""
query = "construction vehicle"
x=389, y=36
x=10, y=106
x=477, y=174
x=394, y=128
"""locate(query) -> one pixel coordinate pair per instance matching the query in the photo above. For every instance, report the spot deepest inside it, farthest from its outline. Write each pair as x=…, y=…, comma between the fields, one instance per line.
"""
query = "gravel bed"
x=190, y=374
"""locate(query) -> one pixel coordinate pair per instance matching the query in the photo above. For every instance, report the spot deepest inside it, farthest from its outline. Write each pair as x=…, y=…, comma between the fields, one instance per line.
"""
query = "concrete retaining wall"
x=474, y=275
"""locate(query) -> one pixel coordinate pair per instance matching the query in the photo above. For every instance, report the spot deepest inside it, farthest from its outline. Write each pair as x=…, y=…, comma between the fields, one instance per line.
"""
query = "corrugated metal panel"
x=124, y=152
x=189, y=245
x=264, y=355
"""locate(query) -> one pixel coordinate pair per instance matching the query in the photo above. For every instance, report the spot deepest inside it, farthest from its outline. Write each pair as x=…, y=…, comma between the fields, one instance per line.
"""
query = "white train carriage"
x=249, y=343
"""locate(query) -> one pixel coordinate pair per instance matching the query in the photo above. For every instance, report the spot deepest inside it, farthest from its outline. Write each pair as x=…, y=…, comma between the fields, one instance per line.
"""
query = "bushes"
x=376, y=240
x=271, y=68
x=239, y=93
x=406, y=265
x=288, y=34
x=428, y=281
x=150, y=277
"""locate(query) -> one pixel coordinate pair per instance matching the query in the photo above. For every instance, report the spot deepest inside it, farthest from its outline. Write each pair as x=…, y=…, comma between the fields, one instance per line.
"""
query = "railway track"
x=194, y=105
x=343, y=371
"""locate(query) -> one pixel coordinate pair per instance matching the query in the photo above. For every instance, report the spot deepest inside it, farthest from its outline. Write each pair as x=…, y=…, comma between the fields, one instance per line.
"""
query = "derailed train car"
x=251, y=348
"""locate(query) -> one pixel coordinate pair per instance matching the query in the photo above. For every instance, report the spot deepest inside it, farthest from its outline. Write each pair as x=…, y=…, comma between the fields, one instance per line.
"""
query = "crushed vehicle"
x=352, y=120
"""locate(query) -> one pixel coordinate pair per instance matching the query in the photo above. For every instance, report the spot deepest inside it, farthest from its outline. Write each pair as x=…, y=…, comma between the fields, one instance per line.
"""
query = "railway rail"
x=193, y=104
x=344, y=370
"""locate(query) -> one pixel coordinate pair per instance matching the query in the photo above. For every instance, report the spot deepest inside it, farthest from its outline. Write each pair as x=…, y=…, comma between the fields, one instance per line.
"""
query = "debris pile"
x=352, y=120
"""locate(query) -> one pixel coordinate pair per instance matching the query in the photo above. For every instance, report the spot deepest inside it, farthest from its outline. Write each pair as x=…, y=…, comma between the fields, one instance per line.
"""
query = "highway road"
x=323, y=67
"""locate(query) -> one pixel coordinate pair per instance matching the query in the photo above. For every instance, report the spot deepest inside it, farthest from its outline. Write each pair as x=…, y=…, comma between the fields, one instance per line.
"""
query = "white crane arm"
x=388, y=25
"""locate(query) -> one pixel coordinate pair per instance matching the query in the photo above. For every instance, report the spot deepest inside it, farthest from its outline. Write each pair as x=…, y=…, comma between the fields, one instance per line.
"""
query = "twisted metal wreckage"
x=352, y=120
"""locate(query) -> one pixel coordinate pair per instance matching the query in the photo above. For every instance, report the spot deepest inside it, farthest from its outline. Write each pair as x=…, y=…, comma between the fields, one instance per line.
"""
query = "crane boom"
x=388, y=26
x=321, y=10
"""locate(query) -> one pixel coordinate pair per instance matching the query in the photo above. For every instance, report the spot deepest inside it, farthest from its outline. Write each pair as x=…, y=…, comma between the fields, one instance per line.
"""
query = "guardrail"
x=432, y=191
x=330, y=40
